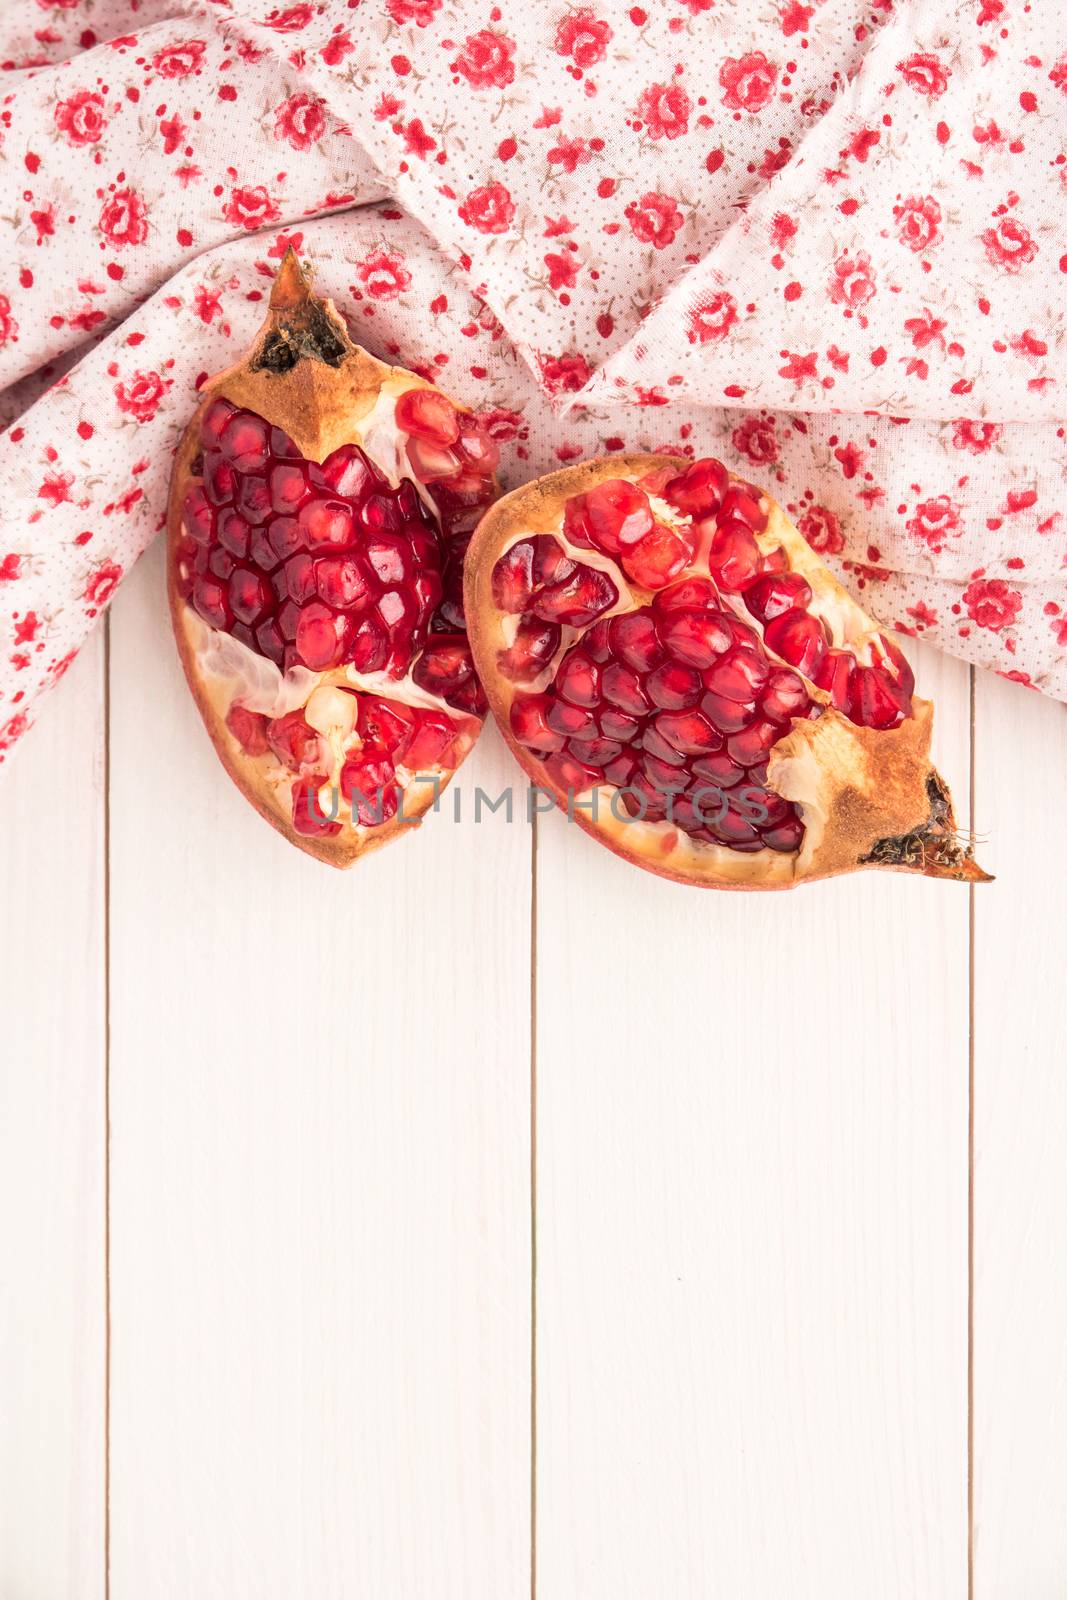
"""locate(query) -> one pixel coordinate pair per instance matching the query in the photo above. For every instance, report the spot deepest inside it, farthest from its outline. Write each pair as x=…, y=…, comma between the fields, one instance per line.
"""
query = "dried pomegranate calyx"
x=315, y=556
x=735, y=719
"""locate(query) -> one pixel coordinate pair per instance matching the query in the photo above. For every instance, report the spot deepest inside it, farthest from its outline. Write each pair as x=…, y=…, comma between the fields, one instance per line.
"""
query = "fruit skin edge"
x=540, y=503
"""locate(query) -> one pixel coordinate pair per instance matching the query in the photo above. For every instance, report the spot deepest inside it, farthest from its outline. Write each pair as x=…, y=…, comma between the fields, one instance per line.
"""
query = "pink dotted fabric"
x=824, y=241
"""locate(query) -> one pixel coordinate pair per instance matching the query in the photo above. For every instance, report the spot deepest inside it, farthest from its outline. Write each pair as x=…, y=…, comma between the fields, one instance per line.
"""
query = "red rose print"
x=756, y=439
x=664, y=109
x=991, y=604
x=1059, y=628
x=570, y=154
x=654, y=219
x=301, y=120
x=8, y=326
x=102, y=584
x=13, y=729
x=918, y=220
x=1009, y=245
x=336, y=48
x=124, y=219
x=1058, y=75
x=710, y=320
x=934, y=520
x=489, y=209
x=9, y=568
x=925, y=74
x=251, y=207
x=583, y=37
x=851, y=280
x=384, y=274
x=748, y=81
x=81, y=119
x=977, y=437
x=290, y=19
x=822, y=530
x=485, y=60
x=420, y=12
x=140, y=398
x=564, y=374
x=179, y=60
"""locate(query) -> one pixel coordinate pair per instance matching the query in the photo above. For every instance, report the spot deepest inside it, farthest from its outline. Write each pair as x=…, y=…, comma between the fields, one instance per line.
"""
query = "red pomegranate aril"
x=635, y=642
x=300, y=578
x=308, y=816
x=744, y=508
x=209, y=598
x=577, y=600
x=214, y=421
x=738, y=675
x=718, y=770
x=513, y=578
x=198, y=516
x=655, y=745
x=834, y=674
x=665, y=776
x=776, y=593
x=245, y=441
x=346, y=472
x=572, y=776
x=369, y=648
x=618, y=725
x=286, y=536
x=762, y=806
x=620, y=772
x=617, y=515
x=874, y=702
x=293, y=740
x=233, y=533
x=529, y=723
x=595, y=752
x=732, y=828
x=326, y=524
x=622, y=686
x=785, y=836
x=643, y=800
x=785, y=696
x=698, y=491
x=531, y=650
x=476, y=447
x=368, y=783
x=729, y=716
x=576, y=523
x=221, y=563
x=431, y=743
x=339, y=581
x=734, y=558
x=894, y=666
x=752, y=745
x=249, y=728
x=571, y=721
x=798, y=638
x=674, y=686
x=696, y=637
x=287, y=488
x=385, y=722
x=691, y=594
x=551, y=563
x=444, y=666
x=250, y=595
x=320, y=638
x=596, y=641
x=220, y=480
x=687, y=731
x=657, y=559
x=431, y=463
x=253, y=500
x=578, y=679
x=388, y=558
x=269, y=642
x=281, y=446
x=428, y=415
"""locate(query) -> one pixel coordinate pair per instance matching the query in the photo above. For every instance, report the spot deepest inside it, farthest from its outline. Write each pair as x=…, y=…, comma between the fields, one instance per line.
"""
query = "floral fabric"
x=822, y=240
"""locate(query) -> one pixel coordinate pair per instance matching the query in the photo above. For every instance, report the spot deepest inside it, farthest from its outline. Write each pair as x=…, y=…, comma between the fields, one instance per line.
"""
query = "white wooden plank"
x=52, y=1148
x=1020, y=1099
x=320, y=1168
x=752, y=1228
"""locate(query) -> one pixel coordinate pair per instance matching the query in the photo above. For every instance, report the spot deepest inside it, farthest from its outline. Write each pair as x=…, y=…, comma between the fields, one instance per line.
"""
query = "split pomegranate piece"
x=671, y=661
x=320, y=510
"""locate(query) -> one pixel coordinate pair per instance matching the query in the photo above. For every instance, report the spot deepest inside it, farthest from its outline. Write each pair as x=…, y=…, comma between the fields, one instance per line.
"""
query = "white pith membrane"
x=232, y=675
x=809, y=765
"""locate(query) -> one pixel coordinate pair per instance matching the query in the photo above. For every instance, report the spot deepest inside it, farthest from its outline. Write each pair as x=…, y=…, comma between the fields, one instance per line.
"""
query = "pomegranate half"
x=320, y=508
x=672, y=662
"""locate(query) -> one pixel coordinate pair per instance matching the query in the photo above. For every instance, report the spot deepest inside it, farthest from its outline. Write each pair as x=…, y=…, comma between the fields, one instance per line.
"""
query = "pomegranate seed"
x=728, y=715
x=369, y=648
x=339, y=581
x=430, y=462
x=531, y=650
x=657, y=559
x=744, y=507
x=269, y=642
x=321, y=638
x=596, y=752
x=762, y=806
x=281, y=445
x=698, y=491
x=578, y=600
x=674, y=687
x=623, y=688
x=669, y=778
x=432, y=743
x=368, y=784
x=687, y=731
x=596, y=642
x=572, y=776
x=445, y=668
x=752, y=745
x=308, y=816
x=578, y=679
x=214, y=421
x=551, y=563
x=575, y=523
x=250, y=595
x=620, y=772
x=776, y=593
x=692, y=594
x=617, y=515
x=634, y=640
x=734, y=558
x=220, y=562
x=874, y=702
x=234, y=533
x=209, y=599
x=894, y=666
x=798, y=638
x=733, y=828
x=718, y=769
x=619, y=725
x=835, y=676
x=326, y=524
x=249, y=729
x=785, y=696
x=300, y=580
x=513, y=578
x=294, y=741
x=198, y=517
x=529, y=723
x=478, y=450
x=785, y=836
x=287, y=488
x=573, y=722
x=384, y=722
x=220, y=480
x=655, y=746
x=429, y=415
x=696, y=637
x=738, y=675
x=245, y=441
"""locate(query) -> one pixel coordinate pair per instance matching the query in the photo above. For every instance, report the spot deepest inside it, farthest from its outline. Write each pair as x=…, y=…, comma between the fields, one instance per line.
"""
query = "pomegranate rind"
x=869, y=798
x=320, y=404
